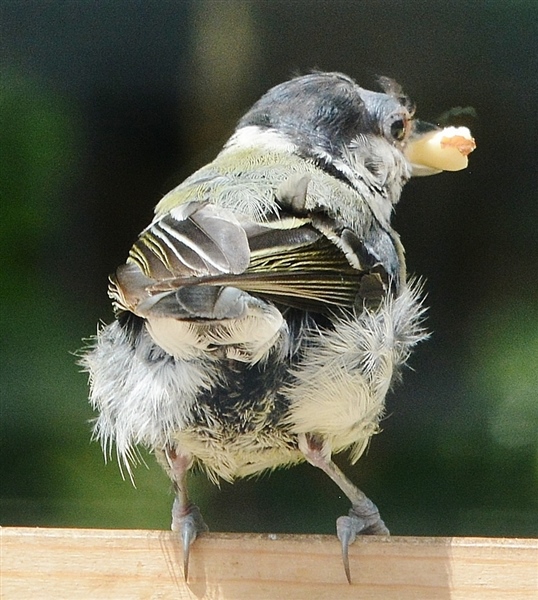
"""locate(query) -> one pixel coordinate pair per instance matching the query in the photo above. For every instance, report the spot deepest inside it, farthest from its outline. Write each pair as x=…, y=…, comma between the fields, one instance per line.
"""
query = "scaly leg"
x=363, y=517
x=186, y=516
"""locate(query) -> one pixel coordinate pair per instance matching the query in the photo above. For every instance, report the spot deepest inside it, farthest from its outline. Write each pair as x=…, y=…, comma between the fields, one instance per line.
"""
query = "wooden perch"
x=72, y=564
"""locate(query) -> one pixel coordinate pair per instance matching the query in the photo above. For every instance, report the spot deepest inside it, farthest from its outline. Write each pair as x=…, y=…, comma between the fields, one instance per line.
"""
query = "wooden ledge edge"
x=394, y=540
x=111, y=563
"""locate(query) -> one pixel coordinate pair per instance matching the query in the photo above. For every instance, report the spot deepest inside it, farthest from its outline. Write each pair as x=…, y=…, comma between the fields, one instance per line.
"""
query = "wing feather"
x=188, y=261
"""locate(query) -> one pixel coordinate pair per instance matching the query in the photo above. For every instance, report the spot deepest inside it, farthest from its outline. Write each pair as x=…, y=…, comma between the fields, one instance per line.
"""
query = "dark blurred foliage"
x=105, y=106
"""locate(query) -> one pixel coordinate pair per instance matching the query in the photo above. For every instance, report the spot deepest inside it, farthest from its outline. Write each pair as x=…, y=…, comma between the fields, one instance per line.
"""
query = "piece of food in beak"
x=440, y=150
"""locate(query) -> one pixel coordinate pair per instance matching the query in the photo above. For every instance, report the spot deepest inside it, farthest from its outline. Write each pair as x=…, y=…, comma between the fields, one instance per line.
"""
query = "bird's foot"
x=361, y=520
x=188, y=522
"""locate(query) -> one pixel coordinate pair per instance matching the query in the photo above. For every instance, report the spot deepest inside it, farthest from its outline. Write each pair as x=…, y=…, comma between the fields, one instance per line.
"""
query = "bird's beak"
x=432, y=149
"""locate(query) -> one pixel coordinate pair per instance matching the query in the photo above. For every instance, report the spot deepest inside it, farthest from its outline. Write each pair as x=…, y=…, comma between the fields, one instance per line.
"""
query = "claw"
x=346, y=530
x=188, y=535
x=188, y=525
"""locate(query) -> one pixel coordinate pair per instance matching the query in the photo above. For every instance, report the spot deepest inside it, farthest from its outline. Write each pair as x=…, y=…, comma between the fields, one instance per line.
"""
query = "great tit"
x=265, y=312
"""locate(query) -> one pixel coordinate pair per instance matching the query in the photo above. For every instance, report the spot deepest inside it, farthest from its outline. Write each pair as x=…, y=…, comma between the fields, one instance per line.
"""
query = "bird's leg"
x=363, y=517
x=186, y=517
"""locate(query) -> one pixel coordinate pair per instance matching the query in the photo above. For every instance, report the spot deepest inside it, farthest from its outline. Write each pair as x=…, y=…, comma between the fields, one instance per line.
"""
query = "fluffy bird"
x=265, y=312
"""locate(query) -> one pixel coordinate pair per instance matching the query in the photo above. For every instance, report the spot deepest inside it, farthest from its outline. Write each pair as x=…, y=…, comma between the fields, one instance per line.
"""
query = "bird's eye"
x=398, y=130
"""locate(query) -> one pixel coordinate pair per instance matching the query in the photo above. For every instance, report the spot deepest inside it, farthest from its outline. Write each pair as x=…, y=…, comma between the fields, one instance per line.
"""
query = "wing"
x=199, y=261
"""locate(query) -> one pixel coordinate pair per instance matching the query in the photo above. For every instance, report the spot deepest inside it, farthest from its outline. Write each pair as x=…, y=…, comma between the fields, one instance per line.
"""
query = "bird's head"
x=362, y=137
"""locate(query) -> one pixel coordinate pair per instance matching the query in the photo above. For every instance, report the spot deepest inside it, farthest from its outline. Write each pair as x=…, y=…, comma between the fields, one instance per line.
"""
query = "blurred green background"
x=105, y=106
